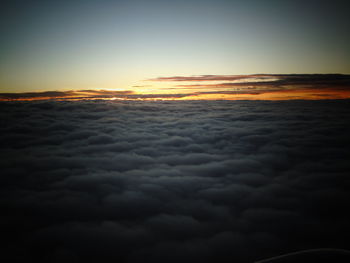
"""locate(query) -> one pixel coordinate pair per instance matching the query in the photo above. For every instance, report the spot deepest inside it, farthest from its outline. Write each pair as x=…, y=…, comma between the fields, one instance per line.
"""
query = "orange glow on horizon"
x=210, y=87
x=297, y=94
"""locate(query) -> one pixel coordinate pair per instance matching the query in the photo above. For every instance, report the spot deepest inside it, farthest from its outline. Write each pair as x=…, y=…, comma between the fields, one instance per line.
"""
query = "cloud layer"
x=261, y=79
x=214, y=87
x=265, y=86
x=203, y=181
x=71, y=94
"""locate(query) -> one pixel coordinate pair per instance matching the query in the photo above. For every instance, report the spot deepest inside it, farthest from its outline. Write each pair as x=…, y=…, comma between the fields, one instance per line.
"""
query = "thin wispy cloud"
x=211, y=77
x=73, y=94
x=141, y=86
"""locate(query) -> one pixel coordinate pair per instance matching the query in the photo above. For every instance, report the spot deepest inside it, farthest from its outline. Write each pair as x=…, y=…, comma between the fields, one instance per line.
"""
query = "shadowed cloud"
x=185, y=181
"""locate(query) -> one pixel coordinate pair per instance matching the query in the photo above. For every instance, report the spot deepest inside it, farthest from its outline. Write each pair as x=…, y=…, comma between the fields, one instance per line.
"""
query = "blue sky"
x=65, y=45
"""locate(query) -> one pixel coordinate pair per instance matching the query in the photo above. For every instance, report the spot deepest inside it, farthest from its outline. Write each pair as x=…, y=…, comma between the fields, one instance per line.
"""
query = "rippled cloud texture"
x=202, y=181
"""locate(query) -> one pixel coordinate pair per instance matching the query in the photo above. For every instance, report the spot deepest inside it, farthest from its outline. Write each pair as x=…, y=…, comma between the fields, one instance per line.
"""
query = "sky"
x=173, y=131
x=117, y=45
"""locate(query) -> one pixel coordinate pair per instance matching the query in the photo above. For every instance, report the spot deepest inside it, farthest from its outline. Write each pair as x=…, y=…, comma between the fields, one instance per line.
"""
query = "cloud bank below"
x=199, y=181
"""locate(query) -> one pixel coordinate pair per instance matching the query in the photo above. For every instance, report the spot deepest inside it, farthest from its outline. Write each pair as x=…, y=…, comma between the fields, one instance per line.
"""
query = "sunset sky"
x=167, y=131
x=129, y=45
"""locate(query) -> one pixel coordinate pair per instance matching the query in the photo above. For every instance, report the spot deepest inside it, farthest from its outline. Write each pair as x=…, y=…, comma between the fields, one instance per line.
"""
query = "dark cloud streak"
x=64, y=94
x=316, y=81
x=294, y=78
